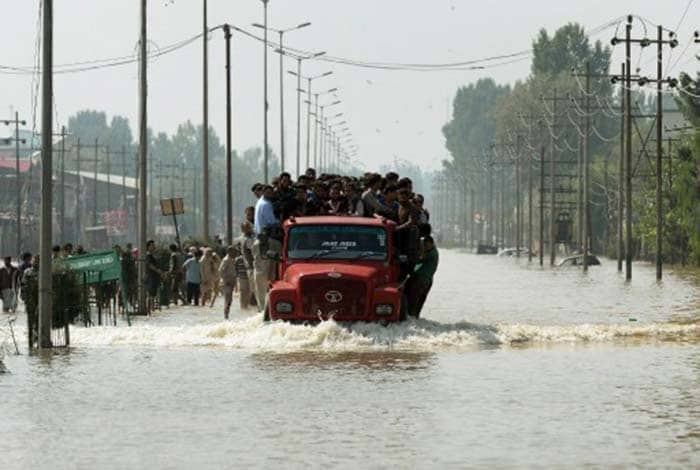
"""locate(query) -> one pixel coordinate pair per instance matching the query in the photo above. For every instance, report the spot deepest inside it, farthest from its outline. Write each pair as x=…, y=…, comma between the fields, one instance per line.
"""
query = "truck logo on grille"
x=333, y=296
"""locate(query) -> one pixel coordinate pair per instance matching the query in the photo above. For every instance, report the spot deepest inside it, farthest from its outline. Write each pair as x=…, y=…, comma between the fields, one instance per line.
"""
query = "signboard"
x=173, y=206
x=107, y=263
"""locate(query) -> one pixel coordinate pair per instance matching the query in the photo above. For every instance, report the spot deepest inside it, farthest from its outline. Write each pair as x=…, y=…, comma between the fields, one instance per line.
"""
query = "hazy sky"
x=392, y=114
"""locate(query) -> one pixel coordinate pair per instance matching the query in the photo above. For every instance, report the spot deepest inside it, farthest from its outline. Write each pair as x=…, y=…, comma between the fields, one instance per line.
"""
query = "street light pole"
x=229, y=177
x=143, y=159
x=205, y=124
x=265, y=106
x=282, y=53
x=281, y=49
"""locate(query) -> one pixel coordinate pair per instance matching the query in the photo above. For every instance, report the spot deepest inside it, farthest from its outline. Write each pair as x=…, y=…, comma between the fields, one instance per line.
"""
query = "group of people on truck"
x=388, y=196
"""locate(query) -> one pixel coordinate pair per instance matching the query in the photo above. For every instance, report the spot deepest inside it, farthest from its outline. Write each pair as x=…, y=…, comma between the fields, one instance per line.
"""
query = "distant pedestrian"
x=227, y=272
x=243, y=280
x=209, y=275
x=175, y=271
x=154, y=275
x=9, y=283
x=193, y=277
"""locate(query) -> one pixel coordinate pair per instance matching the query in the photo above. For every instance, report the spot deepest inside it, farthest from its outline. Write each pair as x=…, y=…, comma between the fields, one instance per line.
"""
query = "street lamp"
x=280, y=50
x=265, y=105
x=316, y=95
x=297, y=74
x=310, y=79
x=326, y=127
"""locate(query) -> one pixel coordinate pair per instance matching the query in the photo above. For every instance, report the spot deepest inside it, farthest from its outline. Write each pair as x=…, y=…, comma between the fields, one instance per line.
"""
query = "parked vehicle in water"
x=341, y=268
x=485, y=249
x=577, y=260
x=508, y=252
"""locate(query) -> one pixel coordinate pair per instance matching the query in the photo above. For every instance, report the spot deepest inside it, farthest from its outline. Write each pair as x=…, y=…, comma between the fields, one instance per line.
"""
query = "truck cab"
x=340, y=268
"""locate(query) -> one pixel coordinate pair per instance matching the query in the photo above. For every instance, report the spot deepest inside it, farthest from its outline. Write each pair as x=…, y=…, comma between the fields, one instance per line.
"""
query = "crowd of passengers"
x=388, y=196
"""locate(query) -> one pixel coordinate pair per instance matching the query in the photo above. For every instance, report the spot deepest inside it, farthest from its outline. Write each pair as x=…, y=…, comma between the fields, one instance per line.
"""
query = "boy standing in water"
x=193, y=277
x=227, y=272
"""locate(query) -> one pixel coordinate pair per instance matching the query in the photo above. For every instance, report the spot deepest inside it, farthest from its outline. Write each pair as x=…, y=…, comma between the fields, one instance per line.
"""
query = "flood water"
x=513, y=366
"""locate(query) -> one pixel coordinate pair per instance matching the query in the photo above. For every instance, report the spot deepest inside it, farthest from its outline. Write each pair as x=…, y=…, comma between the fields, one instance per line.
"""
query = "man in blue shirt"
x=264, y=212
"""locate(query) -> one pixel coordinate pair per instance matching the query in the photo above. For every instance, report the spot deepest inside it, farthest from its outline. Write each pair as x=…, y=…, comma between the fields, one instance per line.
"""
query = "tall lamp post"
x=297, y=74
x=316, y=121
x=265, y=105
x=280, y=51
x=320, y=120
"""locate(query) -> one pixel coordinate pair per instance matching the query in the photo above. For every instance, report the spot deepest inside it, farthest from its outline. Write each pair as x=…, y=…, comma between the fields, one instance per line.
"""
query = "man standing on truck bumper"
x=421, y=280
x=264, y=267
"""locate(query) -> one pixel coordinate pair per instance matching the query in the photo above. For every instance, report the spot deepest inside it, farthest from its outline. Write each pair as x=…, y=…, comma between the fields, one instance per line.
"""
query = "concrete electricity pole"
x=229, y=156
x=205, y=123
x=143, y=158
x=45, y=224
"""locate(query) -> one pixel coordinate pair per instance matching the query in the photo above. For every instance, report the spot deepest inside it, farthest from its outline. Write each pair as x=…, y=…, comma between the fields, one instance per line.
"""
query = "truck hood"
x=328, y=270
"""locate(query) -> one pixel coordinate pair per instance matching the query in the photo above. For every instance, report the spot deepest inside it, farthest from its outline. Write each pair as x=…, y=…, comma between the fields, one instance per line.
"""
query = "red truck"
x=344, y=268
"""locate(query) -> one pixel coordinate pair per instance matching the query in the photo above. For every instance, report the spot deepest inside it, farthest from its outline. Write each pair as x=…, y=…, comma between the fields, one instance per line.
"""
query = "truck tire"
x=403, y=311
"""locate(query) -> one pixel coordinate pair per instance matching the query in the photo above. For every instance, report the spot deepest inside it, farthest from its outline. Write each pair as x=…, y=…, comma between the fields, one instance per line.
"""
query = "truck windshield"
x=346, y=242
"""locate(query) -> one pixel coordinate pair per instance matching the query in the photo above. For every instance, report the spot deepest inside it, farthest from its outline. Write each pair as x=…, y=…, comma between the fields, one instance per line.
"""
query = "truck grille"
x=333, y=297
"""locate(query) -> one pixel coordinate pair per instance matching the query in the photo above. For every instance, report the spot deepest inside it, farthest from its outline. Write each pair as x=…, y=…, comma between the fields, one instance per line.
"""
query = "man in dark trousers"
x=421, y=280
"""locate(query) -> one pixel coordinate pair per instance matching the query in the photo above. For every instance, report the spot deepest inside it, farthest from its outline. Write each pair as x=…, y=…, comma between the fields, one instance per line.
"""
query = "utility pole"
x=299, y=91
x=143, y=158
x=78, y=208
x=491, y=217
x=542, y=193
x=552, y=196
x=529, y=192
x=518, y=213
x=586, y=175
x=229, y=151
x=621, y=176
x=62, y=206
x=645, y=42
x=205, y=120
x=109, y=179
x=628, y=150
x=265, y=105
x=45, y=228
x=16, y=121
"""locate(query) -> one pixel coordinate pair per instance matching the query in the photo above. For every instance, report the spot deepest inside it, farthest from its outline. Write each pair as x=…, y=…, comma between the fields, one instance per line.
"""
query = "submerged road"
x=512, y=366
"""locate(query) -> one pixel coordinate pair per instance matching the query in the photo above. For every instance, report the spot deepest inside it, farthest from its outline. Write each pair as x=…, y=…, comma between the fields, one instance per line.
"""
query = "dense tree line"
x=493, y=126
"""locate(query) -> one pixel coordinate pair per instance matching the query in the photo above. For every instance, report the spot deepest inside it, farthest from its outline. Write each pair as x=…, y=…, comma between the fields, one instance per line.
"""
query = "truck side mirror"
x=273, y=255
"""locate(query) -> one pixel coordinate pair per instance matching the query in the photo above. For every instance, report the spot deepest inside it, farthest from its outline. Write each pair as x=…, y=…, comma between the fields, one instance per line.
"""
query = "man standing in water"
x=421, y=280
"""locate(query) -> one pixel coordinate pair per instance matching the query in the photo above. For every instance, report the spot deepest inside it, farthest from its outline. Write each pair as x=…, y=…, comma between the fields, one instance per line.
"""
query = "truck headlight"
x=284, y=307
x=383, y=309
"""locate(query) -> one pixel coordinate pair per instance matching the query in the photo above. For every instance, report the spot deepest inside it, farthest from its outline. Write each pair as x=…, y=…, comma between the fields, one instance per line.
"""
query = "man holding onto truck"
x=421, y=280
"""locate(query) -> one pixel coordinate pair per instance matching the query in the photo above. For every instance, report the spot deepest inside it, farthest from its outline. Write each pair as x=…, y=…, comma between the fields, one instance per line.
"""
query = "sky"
x=391, y=114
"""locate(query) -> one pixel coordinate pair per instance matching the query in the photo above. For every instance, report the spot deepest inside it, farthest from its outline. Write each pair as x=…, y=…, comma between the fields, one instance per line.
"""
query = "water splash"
x=417, y=336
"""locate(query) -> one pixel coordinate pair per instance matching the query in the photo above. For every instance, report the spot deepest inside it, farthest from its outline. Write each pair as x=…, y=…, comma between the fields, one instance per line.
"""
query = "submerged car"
x=577, y=260
x=507, y=252
x=341, y=268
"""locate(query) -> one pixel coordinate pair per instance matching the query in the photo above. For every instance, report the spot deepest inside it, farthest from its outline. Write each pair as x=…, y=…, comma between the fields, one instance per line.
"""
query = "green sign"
x=98, y=266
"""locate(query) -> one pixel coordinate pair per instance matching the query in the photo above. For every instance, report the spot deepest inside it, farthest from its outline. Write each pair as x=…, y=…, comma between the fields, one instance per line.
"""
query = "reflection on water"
x=387, y=361
x=512, y=366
